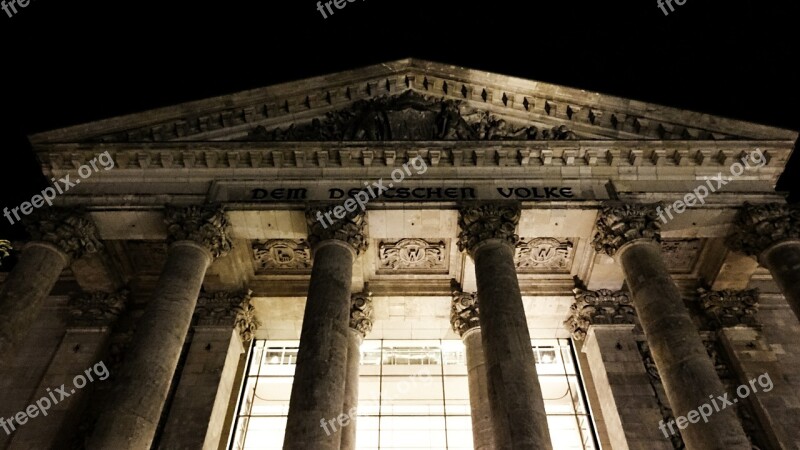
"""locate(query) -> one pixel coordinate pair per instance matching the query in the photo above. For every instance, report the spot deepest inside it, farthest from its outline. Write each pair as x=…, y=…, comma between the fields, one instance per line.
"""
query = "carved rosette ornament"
x=352, y=229
x=71, y=231
x=621, y=224
x=758, y=227
x=205, y=225
x=478, y=223
x=361, y=312
x=226, y=310
x=729, y=308
x=600, y=307
x=464, y=312
x=96, y=309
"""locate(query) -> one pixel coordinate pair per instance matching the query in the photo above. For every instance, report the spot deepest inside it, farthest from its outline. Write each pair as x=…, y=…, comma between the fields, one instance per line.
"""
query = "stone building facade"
x=495, y=211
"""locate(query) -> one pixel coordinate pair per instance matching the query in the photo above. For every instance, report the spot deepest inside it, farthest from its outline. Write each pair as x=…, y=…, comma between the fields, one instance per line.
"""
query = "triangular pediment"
x=412, y=100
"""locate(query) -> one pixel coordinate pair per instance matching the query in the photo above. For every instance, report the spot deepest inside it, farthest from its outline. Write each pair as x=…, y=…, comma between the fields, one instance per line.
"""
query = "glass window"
x=413, y=394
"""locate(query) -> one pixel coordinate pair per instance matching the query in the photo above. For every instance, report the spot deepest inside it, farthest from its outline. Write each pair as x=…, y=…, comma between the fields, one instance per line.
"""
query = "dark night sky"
x=68, y=62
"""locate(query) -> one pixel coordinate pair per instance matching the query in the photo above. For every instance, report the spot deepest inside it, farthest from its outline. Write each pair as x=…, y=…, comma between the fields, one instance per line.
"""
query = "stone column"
x=224, y=325
x=318, y=390
x=81, y=349
x=464, y=318
x=733, y=317
x=605, y=321
x=129, y=419
x=487, y=232
x=630, y=233
x=360, y=326
x=57, y=237
x=771, y=233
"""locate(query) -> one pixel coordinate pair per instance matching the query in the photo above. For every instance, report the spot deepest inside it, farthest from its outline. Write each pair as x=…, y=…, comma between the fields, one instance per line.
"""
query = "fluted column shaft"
x=631, y=235
x=783, y=262
x=130, y=417
x=58, y=236
x=515, y=396
x=318, y=390
x=464, y=318
x=360, y=326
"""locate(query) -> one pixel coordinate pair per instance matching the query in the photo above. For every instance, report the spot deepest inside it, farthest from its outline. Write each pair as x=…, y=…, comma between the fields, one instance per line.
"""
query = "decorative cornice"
x=96, y=309
x=361, y=312
x=729, y=308
x=352, y=229
x=227, y=310
x=205, y=225
x=760, y=226
x=464, y=312
x=73, y=232
x=478, y=223
x=620, y=224
x=600, y=307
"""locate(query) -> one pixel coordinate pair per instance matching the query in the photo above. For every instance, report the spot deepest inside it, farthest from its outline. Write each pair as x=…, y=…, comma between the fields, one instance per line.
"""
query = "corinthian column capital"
x=70, y=231
x=203, y=225
x=600, y=307
x=464, y=312
x=96, y=309
x=729, y=308
x=621, y=224
x=351, y=229
x=361, y=312
x=228, y=310
x=487, y=221
x=758, y=227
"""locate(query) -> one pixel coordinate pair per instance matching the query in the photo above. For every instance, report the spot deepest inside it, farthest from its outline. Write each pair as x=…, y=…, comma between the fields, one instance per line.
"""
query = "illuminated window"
x=412, y=395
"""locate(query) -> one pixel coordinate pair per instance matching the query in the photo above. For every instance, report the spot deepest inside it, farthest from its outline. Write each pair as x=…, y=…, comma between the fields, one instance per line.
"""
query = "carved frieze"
x=478, y=223
x=729, y=308
x=600, y=307
x=229, y=310
x=206, y=225
x=96, y=309
x=413, y=256
x=361, y=312
x=409, y=116
x=464, y=312
x=620, y=224
x=758, y=227
x=543, y=255
x=352, y=229
x=282, y=256
x=73, y=232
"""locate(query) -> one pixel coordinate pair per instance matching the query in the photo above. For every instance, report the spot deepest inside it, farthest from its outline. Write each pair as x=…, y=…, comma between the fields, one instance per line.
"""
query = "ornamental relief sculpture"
x=282, y=255
x=543, y=255
x=413, y=255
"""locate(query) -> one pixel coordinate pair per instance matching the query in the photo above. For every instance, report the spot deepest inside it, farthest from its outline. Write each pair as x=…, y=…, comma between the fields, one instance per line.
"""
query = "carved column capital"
x=227, y=310
x=758, y=227
x=482, y=222
x=729, y=308
x=5, y=250
x=621, y=224
x=96, y=309
x=361, y=312
x=464, y=312
x=351, y=229
x=73, y=232
x=205, y=225
x=600, y=307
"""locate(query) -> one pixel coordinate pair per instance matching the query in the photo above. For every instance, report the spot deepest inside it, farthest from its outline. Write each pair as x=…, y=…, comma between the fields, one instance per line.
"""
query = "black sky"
x=68, y=62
